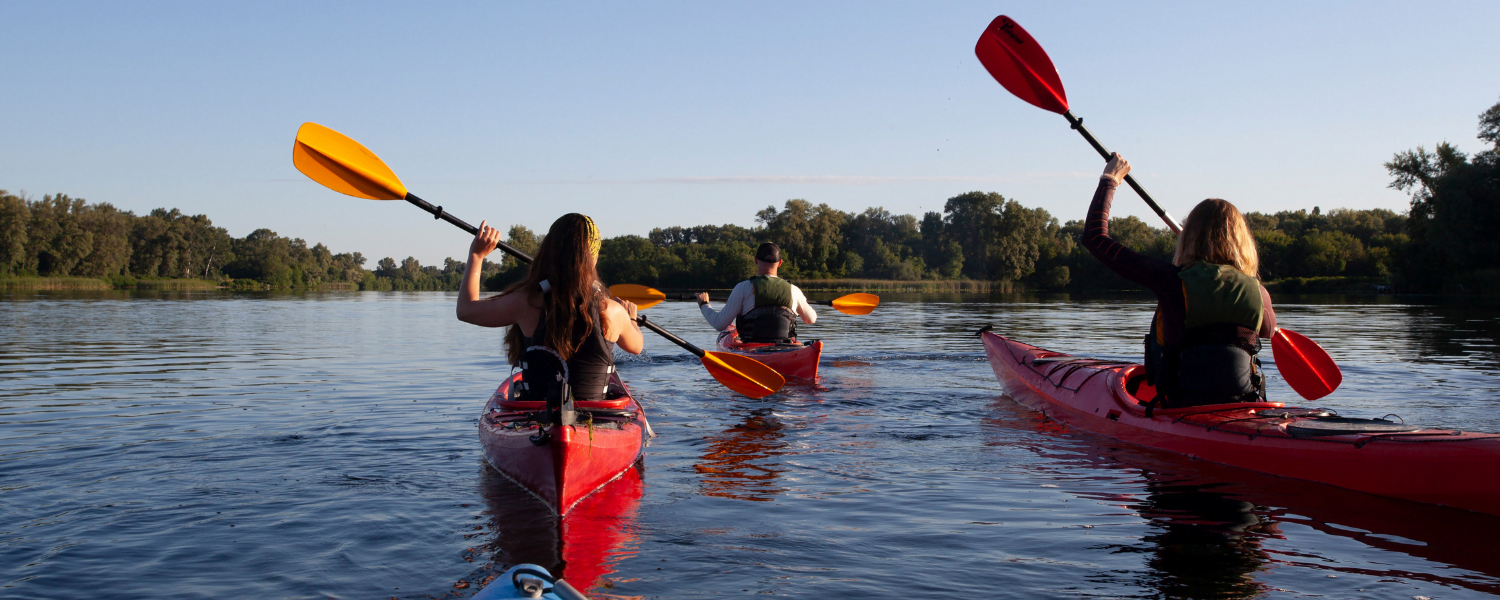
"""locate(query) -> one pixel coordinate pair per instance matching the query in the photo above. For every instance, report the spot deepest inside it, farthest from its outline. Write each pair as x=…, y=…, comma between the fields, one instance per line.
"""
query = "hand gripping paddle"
x=343, y=165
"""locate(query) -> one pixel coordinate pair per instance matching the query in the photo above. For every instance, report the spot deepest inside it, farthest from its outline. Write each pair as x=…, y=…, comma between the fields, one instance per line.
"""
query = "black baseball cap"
x=768, y=253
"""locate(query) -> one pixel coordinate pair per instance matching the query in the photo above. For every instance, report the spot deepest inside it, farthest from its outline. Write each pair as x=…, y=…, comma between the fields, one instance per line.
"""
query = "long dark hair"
x=575, y=301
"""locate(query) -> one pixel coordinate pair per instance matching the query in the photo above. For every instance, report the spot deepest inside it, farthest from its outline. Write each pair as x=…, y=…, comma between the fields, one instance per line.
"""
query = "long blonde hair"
x=1216, y=232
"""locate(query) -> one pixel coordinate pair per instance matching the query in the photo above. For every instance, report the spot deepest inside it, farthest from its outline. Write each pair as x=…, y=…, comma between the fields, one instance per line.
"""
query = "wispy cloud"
x=807, y=179
x=775, y=179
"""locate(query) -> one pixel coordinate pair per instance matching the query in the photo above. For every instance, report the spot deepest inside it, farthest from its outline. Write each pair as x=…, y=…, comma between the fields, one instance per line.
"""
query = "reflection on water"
x=585, y=546
x=1207, y=545
x=197, y=445
x=741, y=463
x=1221, y=532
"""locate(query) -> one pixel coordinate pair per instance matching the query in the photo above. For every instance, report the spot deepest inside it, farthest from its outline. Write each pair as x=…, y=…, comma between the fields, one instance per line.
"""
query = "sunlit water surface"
x=324, y=446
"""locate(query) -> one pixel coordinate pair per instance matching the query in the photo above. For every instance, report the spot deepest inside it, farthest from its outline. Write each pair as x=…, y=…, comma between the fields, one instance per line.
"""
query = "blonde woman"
x=1210, y=307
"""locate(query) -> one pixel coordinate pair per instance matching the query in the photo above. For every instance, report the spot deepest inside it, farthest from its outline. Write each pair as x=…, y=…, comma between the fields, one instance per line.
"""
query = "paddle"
x=1015, y=60
x=646, y=297
x=1304, y=364
x=343, y=165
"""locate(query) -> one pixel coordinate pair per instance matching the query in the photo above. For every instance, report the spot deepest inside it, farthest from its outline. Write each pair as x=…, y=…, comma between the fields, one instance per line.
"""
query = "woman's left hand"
x=484, y=241
x=1116, y=169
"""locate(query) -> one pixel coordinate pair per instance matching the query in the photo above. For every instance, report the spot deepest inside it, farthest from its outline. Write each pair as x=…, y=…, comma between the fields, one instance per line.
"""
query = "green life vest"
x=771, y=291
x=1220, y=294
x=1211, y=365
x=771, y=321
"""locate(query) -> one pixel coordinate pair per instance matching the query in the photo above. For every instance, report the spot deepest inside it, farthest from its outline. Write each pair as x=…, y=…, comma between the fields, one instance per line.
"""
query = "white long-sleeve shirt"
x=742, y=300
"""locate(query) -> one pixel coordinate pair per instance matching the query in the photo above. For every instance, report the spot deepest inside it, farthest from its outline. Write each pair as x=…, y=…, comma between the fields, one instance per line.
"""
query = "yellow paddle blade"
x=744, y=375
x=643, y=297
x=343, y=165
x=856, y=304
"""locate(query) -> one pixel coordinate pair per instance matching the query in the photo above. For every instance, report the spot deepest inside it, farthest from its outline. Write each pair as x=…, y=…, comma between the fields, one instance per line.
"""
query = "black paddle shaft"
x=1077, y=123
x=695, y=297
x=686, y=345
x=438, y=213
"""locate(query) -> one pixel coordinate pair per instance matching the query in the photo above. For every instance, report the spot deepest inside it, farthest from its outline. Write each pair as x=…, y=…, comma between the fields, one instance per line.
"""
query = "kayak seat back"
x=616, y=398
x=1133, y=380
x=1137, y=387
x=584, y=405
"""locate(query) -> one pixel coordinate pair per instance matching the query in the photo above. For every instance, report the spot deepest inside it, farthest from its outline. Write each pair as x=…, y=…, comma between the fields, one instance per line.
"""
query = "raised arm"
x=1157, y=275
x=495, y=311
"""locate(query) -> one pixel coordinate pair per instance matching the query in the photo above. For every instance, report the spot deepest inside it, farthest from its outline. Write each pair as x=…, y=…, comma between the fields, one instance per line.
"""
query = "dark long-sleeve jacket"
x=1157, y=275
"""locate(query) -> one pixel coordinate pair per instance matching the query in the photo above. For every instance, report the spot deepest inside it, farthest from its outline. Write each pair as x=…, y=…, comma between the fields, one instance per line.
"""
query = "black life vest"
x=584, y=376
x=772, y=321
x=1215, y=363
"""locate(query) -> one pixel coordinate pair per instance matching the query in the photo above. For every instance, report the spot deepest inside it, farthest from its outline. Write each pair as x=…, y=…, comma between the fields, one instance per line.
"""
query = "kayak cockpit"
x=1133, y=392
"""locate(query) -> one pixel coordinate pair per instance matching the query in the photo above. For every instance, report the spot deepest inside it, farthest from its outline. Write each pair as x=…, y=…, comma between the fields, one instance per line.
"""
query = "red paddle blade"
x=1305, y=365
x=1015, y=60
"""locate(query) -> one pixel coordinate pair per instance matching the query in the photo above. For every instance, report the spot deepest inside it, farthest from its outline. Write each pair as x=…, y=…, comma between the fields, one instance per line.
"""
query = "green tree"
x=810, y=238
x=15, y=219
x=1455, y=205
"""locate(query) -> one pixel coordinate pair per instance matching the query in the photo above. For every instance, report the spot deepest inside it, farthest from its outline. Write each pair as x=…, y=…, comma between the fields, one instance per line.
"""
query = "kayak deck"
x=563, y=464
x=797, y=362
x=1435, y=466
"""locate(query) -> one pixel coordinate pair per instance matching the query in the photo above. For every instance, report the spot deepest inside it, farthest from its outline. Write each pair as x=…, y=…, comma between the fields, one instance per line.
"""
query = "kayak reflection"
x=1208, y=543
x=1213, y=520
x=584, y=547
x=740, y=463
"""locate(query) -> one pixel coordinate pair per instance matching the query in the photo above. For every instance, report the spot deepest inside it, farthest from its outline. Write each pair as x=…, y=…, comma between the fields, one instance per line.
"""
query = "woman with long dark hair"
x=1211, y=309
x=561, y=308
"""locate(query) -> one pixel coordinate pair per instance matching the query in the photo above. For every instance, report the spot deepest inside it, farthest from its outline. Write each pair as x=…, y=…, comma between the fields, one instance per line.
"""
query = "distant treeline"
x=979, y=236
x=982, y=236
x=1438, y=245
x=60, y=236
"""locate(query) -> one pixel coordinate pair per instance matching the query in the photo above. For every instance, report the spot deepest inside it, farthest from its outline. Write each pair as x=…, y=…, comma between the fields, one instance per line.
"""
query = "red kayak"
x=797, y=362
x=1451, y=468
x=563, y=464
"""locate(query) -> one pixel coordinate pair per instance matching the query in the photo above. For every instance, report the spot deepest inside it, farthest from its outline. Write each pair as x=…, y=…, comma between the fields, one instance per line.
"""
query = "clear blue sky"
x=660, y=114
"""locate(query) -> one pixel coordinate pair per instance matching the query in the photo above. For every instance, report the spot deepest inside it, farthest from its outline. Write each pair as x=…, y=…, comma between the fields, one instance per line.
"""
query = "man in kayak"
x=560, y=318
x=764, y=308
x=1210, y=307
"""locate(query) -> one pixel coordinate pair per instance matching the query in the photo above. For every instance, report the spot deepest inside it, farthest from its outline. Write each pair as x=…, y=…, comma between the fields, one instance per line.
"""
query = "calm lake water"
x=203, y=445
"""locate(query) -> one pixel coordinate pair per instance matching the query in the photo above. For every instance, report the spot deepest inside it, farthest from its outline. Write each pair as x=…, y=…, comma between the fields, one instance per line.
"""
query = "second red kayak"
x=1436, y=466
x=562, y=464
x=796, y=361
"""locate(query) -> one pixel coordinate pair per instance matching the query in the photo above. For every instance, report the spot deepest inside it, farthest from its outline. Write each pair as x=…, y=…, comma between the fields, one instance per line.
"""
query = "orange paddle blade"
x=744, y=375
x=343, y=165
x=1305, y=365
x=643, y=297
x=856, y=304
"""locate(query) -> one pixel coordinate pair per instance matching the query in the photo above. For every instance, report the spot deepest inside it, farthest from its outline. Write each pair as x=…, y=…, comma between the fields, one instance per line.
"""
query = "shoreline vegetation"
x=982, y=242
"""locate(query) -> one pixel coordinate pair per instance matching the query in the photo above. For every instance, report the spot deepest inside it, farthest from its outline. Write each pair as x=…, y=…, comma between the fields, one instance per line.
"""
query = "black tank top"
x=591, y=365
